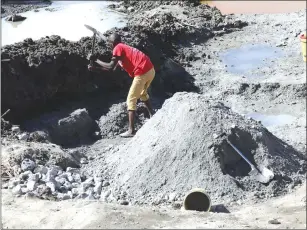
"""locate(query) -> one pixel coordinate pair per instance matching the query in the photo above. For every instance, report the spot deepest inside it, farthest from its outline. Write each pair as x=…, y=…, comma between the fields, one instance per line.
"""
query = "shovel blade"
x=264, y=176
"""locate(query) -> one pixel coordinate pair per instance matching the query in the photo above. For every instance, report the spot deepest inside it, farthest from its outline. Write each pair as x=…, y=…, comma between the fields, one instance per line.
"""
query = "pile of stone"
x=53, y=181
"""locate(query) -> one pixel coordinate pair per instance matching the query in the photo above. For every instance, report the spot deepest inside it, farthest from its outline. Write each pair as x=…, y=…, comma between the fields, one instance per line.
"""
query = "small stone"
x=25, y=175
x=84, y=186
x=51, y=185
x=5, y=185
x=172, y=196
x=105, y=195
x=34, y=177
x=13, y=183
x=60, y=180
x=176, y=205
x=72, y=170
x=215, y=136
x=23, y=136
x=97, y=179
x=24, y=190
x=123, y=202
x=75, y=185
x=83, y=161
x=105, y=184
x=233, y=126
x=274, y=221
x=98, y=188
x=31, y=185
x=70, y=179
x=17, y=190
x=67, y=185
x=27, y=164
x=29, y=195
x=75, y=191
x=41, y=169
x=77, y=178
x=16, y=129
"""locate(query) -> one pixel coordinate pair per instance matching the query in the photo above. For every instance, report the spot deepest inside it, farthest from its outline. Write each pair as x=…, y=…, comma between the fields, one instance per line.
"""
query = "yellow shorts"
x=138, y=89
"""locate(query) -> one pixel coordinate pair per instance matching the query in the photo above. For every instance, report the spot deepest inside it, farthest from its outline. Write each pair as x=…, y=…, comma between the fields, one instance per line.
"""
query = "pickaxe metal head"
x=96, y=32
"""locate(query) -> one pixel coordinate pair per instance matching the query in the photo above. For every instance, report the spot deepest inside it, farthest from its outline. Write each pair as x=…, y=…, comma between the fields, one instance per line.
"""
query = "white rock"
x=75, y=191
x=98, y=188
x=105, y=195
x=17, y=190
x=215, y=136
x=60, y=180
x=27, y=164
x=70, y=178
x=67, y=185
x=13, y=183
x=51, y=185
x=83, y=161
x=76, y=178
x=173, y=196
x=34, y=177
x=23, y=136
x=24, y=190
x=53, y=171
x=75, y=185
x=97, y=179
x=84, y=186
x=31, y=185
x=16, y=128
x=72, y=170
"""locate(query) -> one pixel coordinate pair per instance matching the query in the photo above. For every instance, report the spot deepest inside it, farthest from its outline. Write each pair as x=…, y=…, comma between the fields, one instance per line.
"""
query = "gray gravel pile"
x=184, y=146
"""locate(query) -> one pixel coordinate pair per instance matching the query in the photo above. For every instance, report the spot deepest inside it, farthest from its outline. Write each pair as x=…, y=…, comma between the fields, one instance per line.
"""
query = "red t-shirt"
x=133, y=61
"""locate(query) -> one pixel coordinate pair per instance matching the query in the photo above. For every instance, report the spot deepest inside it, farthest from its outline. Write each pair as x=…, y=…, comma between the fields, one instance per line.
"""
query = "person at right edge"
x=138, y=66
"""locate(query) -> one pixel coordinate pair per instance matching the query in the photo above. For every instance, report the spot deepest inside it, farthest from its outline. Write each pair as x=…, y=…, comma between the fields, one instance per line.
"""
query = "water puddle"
x=257, y=7
x=272, y=120
x=249, y=57
x=64, y=18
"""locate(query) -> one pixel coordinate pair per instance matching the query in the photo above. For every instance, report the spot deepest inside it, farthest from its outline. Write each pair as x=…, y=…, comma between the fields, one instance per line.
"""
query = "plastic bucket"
x=197, y=200
x=303, y=43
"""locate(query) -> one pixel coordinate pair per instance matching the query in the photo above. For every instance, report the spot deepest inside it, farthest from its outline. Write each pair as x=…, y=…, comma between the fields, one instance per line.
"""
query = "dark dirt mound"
x=179, y=23
x=54, y=68
x=137, y=6
x=7, y=8
x=184, y=146
x=116, y=120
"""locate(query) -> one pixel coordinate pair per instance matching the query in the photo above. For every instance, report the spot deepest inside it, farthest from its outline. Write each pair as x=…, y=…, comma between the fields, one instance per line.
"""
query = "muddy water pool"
x=63, y=18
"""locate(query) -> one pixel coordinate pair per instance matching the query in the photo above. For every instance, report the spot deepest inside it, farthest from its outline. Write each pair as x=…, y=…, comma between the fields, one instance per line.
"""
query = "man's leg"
x=144, y=94
x=133, y=95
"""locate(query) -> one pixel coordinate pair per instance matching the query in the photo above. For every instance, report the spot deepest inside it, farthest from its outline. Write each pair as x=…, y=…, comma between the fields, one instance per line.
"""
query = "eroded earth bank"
x=219, y=77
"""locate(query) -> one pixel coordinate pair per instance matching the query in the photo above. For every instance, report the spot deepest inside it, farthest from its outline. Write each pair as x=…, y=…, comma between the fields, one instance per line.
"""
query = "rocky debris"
x=24, y=155
x=169, y=154
x=175, y=22
x=56, y=182
x=15, y=18
x=39, y=136
x=74, y=129
x=137, y=6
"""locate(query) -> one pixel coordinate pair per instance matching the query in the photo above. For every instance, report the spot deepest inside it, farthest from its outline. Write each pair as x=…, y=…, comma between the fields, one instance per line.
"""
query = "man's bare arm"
x=108, y=66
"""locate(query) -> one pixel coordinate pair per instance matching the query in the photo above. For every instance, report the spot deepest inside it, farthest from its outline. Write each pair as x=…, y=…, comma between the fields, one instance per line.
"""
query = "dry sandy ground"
x=19, y=213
